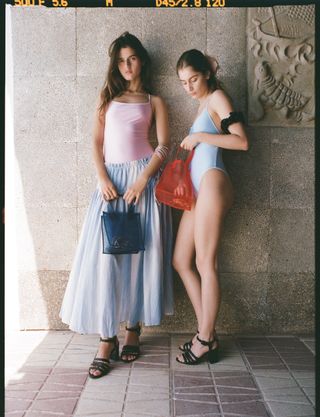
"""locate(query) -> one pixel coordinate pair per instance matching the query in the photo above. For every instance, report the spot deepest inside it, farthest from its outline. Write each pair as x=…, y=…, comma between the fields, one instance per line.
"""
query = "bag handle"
x=190, y=155
x=130, y=208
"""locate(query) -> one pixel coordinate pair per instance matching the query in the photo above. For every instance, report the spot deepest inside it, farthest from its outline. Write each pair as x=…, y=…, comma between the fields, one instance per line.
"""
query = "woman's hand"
x=180, y=190
x=135, y=190
x=190, y=142
x=108, y=190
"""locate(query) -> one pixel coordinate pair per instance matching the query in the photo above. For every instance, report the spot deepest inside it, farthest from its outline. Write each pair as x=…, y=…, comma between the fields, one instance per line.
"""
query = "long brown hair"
x=203, y=64
x=115, y=84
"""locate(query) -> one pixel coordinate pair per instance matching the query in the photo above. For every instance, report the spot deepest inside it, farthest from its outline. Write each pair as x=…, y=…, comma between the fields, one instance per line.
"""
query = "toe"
x=94, y=372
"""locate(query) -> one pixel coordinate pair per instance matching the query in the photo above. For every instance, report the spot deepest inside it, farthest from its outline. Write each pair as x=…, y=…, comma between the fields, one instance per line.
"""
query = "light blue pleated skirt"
x=105, y=290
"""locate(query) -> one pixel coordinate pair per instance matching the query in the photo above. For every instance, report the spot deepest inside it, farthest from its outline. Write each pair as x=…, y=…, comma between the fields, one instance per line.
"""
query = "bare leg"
x=214, y=199
x=183, y=261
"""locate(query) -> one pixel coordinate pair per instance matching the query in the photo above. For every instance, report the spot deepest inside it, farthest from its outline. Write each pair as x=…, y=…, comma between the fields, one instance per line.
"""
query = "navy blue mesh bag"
x=121, y=231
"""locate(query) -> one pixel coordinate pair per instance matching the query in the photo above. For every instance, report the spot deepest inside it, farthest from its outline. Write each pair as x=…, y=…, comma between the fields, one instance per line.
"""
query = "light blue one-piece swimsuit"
x=205, y=156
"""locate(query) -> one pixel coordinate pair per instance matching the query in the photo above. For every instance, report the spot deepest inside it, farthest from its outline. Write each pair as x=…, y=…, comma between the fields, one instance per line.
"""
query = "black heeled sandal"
x=101, y=364
x=131, y=350
x=187, y=345
x=189, y=358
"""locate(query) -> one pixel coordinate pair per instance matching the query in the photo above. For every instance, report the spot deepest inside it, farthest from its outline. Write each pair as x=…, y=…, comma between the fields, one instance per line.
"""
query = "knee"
x=206, y=265
x=179, y=264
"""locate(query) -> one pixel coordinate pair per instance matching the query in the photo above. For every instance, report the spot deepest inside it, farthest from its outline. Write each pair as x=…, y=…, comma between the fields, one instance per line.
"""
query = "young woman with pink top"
x=105, y=290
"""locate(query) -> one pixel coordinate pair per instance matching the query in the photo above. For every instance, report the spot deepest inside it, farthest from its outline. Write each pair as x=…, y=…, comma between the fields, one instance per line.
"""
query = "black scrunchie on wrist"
x=235, y=116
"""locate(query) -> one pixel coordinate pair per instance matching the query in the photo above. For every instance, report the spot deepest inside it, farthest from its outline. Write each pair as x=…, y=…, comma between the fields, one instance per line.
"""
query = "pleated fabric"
x=104, y=290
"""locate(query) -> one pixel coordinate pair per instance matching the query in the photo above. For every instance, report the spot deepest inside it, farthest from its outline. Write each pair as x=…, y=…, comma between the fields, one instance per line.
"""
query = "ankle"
x=136, y=329
x=207, y=336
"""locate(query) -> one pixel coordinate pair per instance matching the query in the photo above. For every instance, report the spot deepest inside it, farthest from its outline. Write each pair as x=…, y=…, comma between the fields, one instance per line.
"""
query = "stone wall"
x=59, y=60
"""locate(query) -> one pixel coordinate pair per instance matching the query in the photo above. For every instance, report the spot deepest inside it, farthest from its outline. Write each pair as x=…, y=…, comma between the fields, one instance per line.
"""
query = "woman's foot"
x=199, y=351
x=108, y=348
x=187, y=345
x=131, y=350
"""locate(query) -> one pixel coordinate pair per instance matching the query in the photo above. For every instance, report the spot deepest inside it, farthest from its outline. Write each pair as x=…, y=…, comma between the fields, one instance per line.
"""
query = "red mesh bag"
x=174, y=187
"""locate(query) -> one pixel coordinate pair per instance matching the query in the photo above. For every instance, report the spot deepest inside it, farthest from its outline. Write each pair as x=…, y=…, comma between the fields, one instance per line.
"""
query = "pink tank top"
x=126, y=133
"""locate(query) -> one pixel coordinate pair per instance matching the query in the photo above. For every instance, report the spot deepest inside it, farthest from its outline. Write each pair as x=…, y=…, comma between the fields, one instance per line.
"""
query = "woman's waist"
x=121, y=162
x=205, y=152
x=127, y=153
x=204, y=148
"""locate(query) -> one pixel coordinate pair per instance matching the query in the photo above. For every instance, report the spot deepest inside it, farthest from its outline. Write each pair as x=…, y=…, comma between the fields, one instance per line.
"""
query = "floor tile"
x=211, y=398
x=208, y=389
x=253, y=374
x=149, y=407
x=256, y=408
x=16, y=404
x=45, y=414
x=239, y=397
x=185, y=407
x=278, y=393
x=26, y=395
x=306, y=382
x=309, y=391
x=266, y=382
x=235, y=381
x=64, y=405
x=15, y=414
x=290, y=410
x=86, y=407
x=34, y=386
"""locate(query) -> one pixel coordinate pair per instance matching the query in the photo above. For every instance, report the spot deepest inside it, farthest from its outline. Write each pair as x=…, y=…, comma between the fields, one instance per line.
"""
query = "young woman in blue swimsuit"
x=216, y=127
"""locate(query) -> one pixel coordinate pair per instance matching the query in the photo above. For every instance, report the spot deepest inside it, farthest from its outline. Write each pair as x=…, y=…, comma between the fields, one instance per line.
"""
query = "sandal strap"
x=134, y=329
x=130, y=350
x=100, y=364
x=187, y=345
x=208, y=343
x=102, y=360
x=189, y=357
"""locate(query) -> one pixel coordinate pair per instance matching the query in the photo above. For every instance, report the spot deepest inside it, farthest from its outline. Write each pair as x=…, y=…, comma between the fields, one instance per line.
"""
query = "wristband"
x=235, y=116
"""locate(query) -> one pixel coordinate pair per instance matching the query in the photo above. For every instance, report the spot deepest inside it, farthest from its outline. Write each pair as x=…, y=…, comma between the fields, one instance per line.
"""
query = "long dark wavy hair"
x=115, y=84
x=203, y=64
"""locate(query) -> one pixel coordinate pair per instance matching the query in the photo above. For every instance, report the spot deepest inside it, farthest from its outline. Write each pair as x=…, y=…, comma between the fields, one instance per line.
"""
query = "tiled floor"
x=46, y=376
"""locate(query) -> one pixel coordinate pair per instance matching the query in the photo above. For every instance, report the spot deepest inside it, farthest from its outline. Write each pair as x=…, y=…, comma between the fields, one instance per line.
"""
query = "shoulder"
x=157, y=100
x=158, y=103
x=219, y=97
x=220, y=103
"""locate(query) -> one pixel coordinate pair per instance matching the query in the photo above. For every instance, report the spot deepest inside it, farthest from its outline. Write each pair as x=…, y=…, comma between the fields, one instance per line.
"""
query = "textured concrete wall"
x=59, y=63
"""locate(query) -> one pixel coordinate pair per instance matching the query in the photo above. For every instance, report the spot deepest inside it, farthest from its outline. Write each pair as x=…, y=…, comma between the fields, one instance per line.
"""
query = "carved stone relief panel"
x=281, y=57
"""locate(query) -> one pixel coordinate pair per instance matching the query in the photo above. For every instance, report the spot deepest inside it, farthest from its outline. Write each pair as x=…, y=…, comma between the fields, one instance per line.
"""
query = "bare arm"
x=162, y=128
x=107, y=188
x=237, y=139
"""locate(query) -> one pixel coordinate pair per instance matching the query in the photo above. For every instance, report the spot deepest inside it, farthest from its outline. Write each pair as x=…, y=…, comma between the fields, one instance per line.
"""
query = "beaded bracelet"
x=162, y=152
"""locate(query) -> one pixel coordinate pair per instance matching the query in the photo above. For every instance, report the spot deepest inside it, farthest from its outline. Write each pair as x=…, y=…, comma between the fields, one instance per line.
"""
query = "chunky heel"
x=114, y=355
x=189, y=358
x=213, y=355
